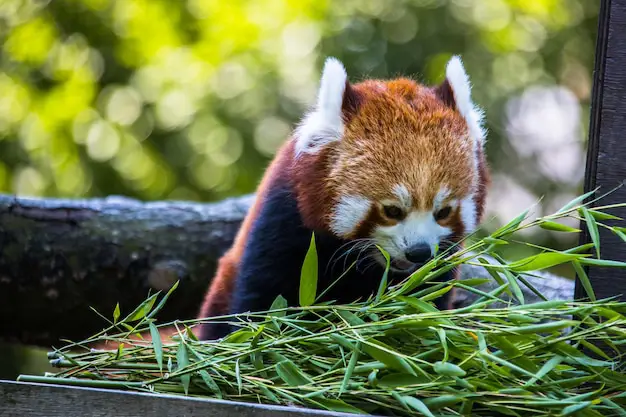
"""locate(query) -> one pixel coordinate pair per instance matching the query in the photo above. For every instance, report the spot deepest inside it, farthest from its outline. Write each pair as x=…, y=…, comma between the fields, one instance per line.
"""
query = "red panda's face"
x=402, y=161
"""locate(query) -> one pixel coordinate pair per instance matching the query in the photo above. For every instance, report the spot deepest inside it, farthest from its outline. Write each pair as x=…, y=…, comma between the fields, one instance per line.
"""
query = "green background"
x=189, y=99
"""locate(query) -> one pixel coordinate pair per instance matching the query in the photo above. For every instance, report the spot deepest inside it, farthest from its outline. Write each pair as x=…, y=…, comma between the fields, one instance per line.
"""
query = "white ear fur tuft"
x=461, y=88
x=324, y=124
x=332, y=87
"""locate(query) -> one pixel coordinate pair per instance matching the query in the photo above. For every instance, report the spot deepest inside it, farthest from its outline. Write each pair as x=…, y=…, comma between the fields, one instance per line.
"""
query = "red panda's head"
x=395, y=161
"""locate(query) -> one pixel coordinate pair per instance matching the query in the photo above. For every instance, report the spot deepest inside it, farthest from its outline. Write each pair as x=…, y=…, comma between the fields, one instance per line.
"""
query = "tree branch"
x=58, y=258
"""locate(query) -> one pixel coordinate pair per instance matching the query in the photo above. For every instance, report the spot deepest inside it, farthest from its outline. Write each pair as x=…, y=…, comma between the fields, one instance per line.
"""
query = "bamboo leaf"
x=389, y=357
x=442, y=401
x=599, y=215
x=444, y=342
x=182, y=361
x=308, y=275
x=163, y=300
x=238, y=376
x=156, y=344
x=448, y=369
x=400, y=380
x=592, y=227
x=575, y=408
x=417, y=405
x=383, y=282
x=619, y=233
x=557, y=227
x=210, y=383
x=338, y=406
x=584, y=280
x=142, y=309
x=291, y=374
x=351, y=365
x=512, y=225
x=116, y=313
x=542, y=261
x=575, y=202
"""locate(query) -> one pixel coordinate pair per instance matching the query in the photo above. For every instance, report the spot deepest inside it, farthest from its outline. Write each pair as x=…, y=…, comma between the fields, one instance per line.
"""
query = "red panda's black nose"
x=418, y=253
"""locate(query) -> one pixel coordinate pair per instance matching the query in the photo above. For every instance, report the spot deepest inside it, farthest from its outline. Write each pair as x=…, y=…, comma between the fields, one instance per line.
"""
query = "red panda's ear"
x=335, y=100
x=455, y=92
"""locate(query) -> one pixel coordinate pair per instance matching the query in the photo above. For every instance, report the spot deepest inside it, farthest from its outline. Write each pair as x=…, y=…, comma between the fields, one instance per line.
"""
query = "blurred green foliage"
x=189, y=99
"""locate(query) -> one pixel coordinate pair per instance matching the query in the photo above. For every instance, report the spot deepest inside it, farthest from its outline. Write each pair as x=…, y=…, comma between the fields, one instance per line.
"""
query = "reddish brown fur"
x=396, y=132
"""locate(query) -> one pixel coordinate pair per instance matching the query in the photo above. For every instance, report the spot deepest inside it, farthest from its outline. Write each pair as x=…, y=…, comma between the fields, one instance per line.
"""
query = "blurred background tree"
x=189, y=99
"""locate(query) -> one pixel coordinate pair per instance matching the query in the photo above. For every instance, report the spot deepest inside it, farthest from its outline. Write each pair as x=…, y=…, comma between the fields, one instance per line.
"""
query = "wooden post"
x=606, y=153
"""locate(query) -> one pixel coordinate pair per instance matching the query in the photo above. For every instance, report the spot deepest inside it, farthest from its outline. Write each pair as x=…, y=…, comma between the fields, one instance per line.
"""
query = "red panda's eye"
x=443, y=213
x=393, y=212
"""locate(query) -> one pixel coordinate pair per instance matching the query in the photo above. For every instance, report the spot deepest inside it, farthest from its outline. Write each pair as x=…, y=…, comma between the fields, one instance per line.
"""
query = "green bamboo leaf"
x=156, y=344
x=619, y=233
x=350, y=317
x=541, y=305
x=308, y=275
x=338, y=406
x=599, y=215
x=506, y=364
x=418, y=304
x=182, y=361
x=417, y=278
x=444, y=343
x=163, y=300
x=291, y=374
x=514, y=285
x=542, y=327
x=279, y=303
x=210, y=383
x=417, y=405
x=575, y=202
x=116, y=313
x=392, y=359
x=448, y=369
x=542, y=261
x=584, y=280
x=118, y=354
x=400, y=380
x=575, y=408
x=351, y=365
x=475, y=282
x=619, y=410
x=510, y=226
x=436, y=294
x=545, y=370
x=383, y=282
x=592, y=227
x=435, y=403
x=557, y=227
x=494, y=241
x=238, y=376
x=142, y=309
x=602, y=262
x=580, y=249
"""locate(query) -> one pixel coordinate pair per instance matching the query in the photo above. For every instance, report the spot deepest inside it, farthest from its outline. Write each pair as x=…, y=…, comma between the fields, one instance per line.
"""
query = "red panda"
x=391, y=163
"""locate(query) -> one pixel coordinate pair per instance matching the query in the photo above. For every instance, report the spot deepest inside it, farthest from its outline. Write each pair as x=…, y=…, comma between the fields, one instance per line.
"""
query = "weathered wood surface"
x=40, y=400
x=606, y=154
x=60, y=257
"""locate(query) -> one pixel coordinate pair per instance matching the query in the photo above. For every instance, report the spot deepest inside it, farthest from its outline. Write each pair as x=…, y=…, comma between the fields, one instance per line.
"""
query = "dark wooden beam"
x=606, y=154
x=39, y=400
